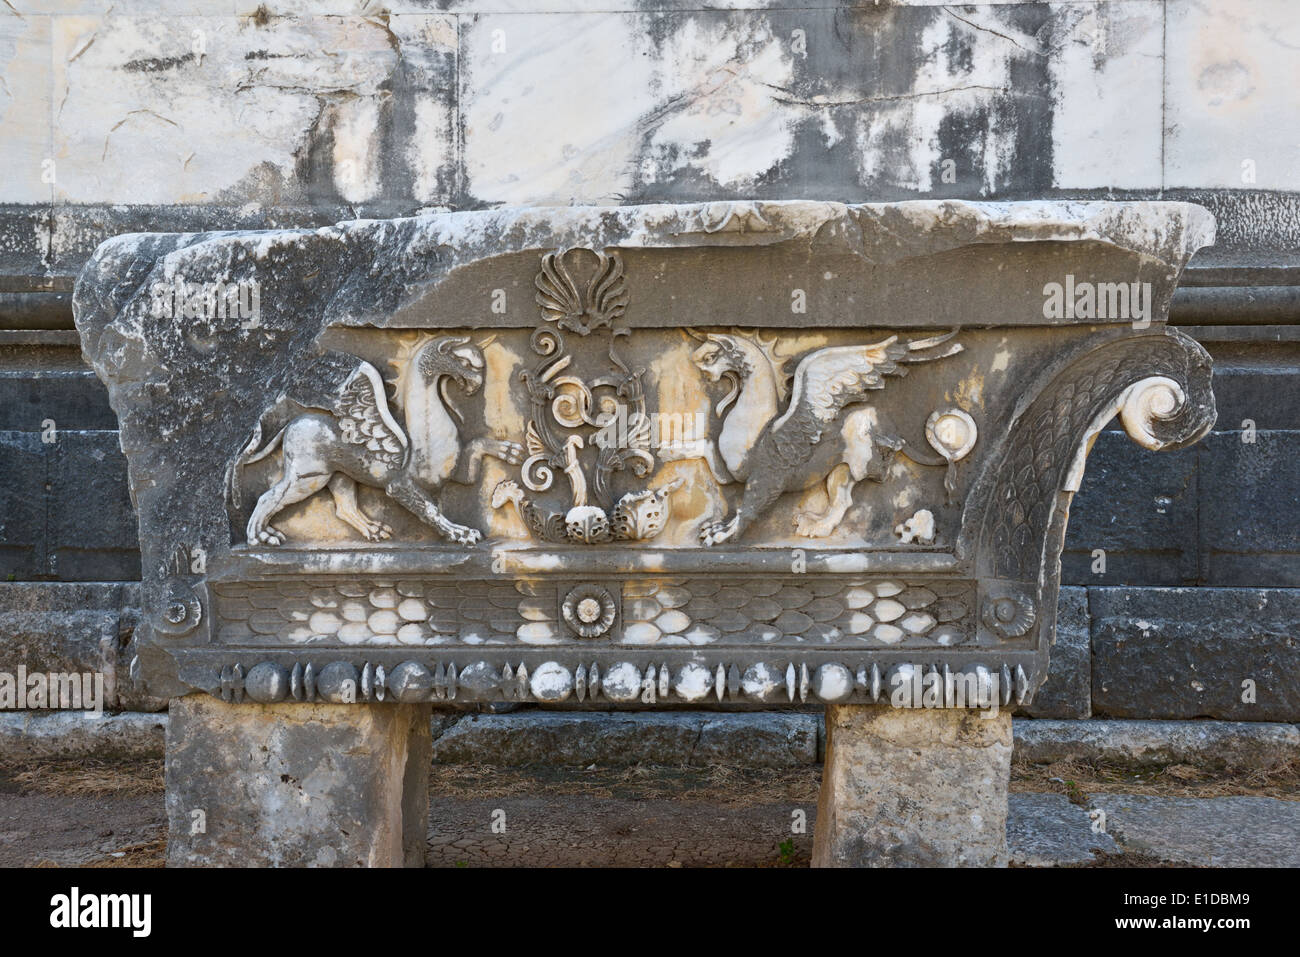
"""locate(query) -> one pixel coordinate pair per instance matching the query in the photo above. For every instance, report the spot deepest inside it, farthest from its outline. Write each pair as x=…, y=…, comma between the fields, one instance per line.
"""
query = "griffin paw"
x=462, y=535
x=717, y=533
x=269, y=536
x=812, y=525
x=511, y=452
x=377, y=532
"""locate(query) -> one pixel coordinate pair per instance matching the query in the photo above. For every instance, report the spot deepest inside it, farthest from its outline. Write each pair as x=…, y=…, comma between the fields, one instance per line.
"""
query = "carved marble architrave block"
x=759, y=453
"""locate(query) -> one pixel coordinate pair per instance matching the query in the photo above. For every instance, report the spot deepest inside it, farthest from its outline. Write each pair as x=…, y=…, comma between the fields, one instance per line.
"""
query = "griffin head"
x=739, y=356
x=721, y=355
x=455, y=357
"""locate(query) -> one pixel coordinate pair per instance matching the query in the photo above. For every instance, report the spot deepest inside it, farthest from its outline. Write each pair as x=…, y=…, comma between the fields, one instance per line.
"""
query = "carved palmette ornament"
x=599, y=305
x=563, y=402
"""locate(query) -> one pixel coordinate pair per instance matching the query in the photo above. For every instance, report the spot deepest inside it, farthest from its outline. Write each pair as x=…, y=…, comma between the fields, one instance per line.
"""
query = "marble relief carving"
x=786, y=423
x=828, y=431
x=756, y=452
x=359, y=441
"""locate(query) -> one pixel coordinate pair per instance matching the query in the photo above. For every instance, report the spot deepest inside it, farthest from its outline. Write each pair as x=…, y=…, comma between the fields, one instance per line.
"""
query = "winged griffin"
x=827, y=432
x=358, y=441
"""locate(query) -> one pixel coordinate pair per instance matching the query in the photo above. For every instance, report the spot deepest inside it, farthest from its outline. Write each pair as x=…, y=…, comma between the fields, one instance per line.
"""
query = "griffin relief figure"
x=358, y=441
x=826, y=433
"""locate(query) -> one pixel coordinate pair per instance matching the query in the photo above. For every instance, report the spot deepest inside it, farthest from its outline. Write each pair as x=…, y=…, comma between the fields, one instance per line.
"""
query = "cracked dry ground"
x=110, y=814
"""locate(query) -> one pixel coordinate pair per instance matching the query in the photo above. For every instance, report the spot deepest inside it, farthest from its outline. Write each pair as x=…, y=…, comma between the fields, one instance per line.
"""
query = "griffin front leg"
x=698, y=449
x=408, y=495
x=765, y=485
x=470, y=465
x=344, y=490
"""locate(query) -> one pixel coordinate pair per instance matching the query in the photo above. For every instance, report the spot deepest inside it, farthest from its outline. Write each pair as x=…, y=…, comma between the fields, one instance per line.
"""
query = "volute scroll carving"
x=1044, y=453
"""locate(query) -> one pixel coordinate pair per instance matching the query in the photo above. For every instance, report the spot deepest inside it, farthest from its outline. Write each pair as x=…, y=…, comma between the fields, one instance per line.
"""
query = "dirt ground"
x=110, y=814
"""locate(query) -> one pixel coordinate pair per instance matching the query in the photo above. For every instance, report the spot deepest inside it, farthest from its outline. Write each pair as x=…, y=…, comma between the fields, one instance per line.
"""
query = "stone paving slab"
x=581, y=831
x=1142, y=743
x=1046, y=830
x=1233, y=831
x=546, y=829
x=51, y=734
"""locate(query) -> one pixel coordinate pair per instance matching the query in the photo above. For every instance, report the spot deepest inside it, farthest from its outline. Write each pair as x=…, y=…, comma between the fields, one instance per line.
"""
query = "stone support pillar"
x=913, y=788
x=297, y=785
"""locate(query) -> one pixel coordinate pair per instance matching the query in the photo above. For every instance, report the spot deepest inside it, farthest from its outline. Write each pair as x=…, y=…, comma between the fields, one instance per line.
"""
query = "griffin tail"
x=921, y=345
x=248, y=456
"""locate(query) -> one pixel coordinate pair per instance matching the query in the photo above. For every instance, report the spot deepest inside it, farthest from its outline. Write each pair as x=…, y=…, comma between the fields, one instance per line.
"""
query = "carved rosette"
x=589, y=610
x=182, y=610
x=1008, y=611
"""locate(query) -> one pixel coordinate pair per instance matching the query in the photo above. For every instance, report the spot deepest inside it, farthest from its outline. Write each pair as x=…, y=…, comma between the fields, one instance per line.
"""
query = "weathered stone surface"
x=25, y=129
x=1067, y=692
x=1215, y=56
x=65, y=509
x=551, y=827
x=1212, y=744
x=1235, y=831
x=77, y=230
x=1196, y=652
x=300, y=785
x=72, y=734
x=71, y=398
x=1046, y=830
x=775, y=103
x=913, y=789
x=1250, y=490
x=69, y=628
x=1254, y=384
x=1143, y=513
x=349, y=109
x=759, y=740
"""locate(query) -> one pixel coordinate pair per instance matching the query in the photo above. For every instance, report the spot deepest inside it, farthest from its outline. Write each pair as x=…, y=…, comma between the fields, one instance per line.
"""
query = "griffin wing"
x=838, y=376
x=365, y=420
x=830, y=379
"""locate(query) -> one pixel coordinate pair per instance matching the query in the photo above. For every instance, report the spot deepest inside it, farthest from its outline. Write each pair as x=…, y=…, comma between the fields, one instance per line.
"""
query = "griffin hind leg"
x=291, y=488
x=839, y=492
x=344, y=491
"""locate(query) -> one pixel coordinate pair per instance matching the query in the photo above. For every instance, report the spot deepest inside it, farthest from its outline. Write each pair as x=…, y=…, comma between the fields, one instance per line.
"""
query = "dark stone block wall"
x=1107, y=100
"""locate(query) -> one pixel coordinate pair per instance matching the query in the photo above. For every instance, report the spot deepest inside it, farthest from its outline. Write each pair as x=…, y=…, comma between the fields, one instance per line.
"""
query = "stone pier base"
x=913, y=788
x=297, y=785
